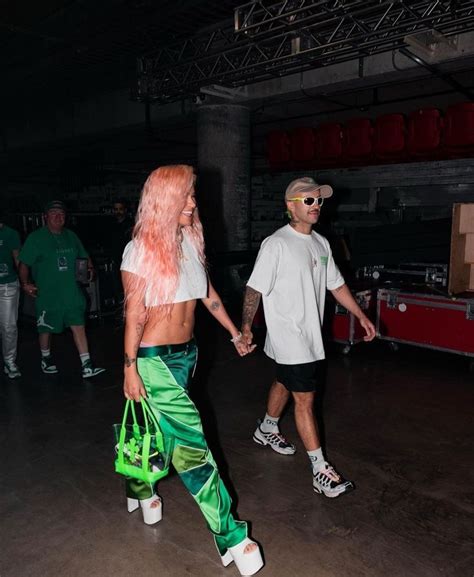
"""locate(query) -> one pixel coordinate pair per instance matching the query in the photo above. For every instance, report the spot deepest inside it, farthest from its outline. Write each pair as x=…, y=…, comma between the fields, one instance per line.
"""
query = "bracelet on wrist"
x=236, y=339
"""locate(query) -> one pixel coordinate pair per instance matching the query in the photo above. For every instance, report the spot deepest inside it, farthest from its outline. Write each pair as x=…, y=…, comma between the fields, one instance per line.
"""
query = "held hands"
x=243, y=344
x=30, y=289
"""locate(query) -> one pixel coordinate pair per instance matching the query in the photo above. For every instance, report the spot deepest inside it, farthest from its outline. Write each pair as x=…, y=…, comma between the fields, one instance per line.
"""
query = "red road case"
x=426, y=320
x=302, y=146
x=459, y=126
x=357, y=139
x=389, y=136
x=344, y=327
x=329, y=141
x=424, y=131
x=278, y=148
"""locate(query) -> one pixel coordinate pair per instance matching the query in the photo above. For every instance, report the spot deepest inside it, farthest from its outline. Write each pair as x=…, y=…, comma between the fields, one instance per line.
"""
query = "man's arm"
x=15, y=253
x=215, y=306
x=24, y=274
x=251, y=302
x=90, y=269
x=344, y=297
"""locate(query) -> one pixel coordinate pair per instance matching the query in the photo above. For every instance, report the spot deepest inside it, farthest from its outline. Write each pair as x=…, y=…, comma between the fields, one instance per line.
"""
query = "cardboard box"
x=469, y=249
x=466, y=218
x=461, y=274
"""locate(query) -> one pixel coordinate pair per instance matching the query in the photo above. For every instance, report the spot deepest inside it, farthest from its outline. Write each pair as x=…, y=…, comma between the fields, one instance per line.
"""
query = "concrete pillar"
x=223, y=135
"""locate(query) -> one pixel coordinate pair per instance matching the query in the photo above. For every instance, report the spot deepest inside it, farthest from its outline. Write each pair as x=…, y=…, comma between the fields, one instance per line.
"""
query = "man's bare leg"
x=306, y=421
x=325, y=479
x=80, y=338
x=268, y=432
x=47, y=364
x=44, y=341
x=277, y=399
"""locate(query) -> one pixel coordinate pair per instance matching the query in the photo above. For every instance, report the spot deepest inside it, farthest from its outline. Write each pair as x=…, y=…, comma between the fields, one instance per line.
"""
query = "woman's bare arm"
x=135, y=320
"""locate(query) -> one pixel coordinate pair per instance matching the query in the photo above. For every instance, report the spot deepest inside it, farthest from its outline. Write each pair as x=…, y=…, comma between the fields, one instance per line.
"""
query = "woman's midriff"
x=174, y=329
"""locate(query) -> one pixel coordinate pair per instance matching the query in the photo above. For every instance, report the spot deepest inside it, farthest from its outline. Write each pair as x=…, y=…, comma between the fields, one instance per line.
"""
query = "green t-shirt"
x=9, y=241
x=52, y=258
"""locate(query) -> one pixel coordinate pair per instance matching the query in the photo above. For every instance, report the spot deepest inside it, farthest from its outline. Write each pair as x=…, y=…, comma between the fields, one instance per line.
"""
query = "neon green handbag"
x=142, y=451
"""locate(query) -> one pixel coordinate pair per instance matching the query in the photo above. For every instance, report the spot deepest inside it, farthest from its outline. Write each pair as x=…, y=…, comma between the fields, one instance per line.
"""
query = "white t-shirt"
x=293, y=271
x=192, y=279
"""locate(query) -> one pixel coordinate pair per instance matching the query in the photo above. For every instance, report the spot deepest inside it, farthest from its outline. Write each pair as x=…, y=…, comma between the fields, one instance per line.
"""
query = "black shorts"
x=299, y=378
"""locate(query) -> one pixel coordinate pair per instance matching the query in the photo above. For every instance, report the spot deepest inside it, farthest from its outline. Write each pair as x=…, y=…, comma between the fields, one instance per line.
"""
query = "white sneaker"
x=330, y=483
x=12, y=371
x=88, y=370
x=275, y=440
x=48, y=366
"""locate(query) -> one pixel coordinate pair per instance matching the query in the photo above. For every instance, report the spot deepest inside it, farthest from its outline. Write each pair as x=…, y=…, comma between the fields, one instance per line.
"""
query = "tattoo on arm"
x=251, y=302
x=139, y=330
x=215, y=305
x=129, y=361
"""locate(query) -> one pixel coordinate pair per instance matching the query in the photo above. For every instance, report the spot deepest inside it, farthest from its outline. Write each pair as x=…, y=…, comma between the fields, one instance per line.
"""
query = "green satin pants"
x=166, y=371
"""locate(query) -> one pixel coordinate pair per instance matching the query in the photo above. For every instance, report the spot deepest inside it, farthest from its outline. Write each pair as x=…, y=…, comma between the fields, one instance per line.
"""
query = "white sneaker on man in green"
x=48, y=366
x=88, y=370
x=12, y=371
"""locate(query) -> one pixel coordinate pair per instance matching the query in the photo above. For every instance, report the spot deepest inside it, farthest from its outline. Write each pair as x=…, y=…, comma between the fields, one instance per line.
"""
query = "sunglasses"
x=309, y=200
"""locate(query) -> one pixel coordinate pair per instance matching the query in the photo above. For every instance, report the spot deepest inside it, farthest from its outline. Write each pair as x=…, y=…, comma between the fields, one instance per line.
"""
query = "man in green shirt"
x=51, y=253
x=9, y=296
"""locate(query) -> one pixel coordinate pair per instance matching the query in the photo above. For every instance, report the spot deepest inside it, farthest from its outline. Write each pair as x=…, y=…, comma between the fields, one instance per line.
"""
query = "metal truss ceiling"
x=270, y=40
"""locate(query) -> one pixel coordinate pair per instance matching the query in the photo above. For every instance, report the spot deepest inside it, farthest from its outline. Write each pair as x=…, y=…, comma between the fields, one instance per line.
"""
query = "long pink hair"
x=156, y=234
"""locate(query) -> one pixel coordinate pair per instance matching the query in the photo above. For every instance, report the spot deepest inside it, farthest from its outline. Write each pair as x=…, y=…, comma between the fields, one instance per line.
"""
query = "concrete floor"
x=399, y=425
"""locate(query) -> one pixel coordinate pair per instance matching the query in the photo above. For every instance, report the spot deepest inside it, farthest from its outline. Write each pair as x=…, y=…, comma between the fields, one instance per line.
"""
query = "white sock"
x=317, y=459
x=270, y=424
x=84, y=358
x=45, y=353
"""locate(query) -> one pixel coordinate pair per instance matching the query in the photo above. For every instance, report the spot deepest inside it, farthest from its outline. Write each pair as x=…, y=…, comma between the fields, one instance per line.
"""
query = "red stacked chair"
x=389, y=136
x=329, y=143
x=459, y=127
x=424, y=132
x=278, y=149
x=357, y=139
x=302, y=147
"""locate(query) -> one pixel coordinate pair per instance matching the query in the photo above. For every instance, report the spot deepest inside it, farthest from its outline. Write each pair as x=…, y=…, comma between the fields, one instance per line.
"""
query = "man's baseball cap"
x=307, y=185
x=55, y=204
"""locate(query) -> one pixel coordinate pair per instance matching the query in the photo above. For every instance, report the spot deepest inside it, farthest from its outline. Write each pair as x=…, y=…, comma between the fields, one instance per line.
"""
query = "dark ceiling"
x=86, y=44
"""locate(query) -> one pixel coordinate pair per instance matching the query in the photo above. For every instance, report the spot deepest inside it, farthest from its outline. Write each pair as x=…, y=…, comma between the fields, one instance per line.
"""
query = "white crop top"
x=192, y=279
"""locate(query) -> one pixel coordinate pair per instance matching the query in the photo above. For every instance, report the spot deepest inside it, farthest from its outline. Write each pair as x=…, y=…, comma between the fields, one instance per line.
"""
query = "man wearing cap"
x=51, y=253
x=293, y=270
x=9, y=296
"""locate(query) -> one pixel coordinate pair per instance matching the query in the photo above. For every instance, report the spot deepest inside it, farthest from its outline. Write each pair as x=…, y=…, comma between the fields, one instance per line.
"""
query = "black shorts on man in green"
x=52, y=258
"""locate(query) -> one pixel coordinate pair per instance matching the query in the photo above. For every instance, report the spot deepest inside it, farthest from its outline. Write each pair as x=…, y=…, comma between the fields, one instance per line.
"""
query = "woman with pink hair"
x=163, y=274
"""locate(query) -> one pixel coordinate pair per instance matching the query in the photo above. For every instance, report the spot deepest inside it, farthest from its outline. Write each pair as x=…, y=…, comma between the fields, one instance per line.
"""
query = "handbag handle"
x=148, y=417
x=158, y=433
